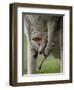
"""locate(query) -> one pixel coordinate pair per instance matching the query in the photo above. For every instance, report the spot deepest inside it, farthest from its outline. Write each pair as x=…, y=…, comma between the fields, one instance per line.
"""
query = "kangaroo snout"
x=41, y=49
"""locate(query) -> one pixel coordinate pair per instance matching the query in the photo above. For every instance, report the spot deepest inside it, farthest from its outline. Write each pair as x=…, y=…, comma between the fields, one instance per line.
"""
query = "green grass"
x=50, y=65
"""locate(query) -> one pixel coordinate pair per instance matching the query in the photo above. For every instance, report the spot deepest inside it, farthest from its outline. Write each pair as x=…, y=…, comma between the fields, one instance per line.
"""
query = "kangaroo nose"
x=41, y=49
x=40, y=52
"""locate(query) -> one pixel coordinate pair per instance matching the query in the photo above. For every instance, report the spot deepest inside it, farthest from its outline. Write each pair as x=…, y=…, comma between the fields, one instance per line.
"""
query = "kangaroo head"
x=40, y=39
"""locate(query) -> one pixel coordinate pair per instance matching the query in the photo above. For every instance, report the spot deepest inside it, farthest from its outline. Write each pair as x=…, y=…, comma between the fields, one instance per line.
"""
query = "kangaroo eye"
x=36, y=39
x=39, y=44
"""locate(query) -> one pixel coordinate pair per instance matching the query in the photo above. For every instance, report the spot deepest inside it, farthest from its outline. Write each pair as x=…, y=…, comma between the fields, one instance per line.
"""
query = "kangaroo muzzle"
x=41, y=49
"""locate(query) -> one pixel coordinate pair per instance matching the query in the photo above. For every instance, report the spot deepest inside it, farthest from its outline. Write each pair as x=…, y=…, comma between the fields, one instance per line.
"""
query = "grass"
x=50, y=65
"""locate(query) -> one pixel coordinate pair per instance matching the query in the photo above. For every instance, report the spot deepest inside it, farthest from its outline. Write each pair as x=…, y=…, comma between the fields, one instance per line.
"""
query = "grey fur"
x=47, y=29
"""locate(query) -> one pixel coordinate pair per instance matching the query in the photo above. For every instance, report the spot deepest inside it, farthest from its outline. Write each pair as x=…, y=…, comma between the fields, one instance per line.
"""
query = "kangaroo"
x=45, y=37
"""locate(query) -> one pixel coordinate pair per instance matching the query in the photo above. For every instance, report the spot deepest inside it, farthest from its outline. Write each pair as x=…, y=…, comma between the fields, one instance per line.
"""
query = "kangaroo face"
x=41, y=40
